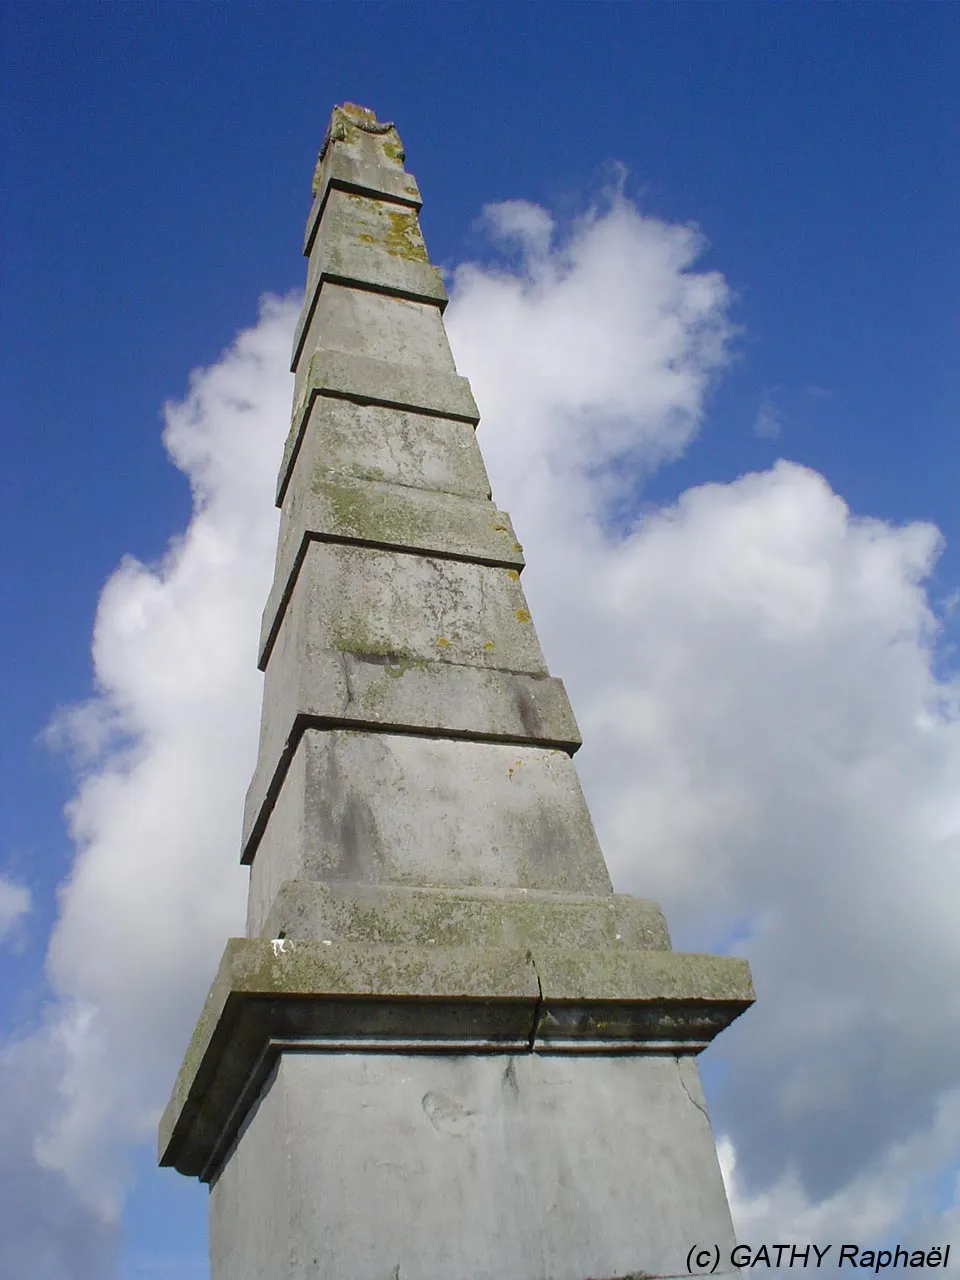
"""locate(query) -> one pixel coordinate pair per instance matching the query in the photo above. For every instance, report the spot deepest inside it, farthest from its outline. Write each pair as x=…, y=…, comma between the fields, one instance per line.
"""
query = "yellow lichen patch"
x=443, y=642
x=359, y=113
x=488, y=644
x=499, y=528
x=513, y=768
x=518, y=548
x=403, y=239
x=393, y=149
x=523, y=615
x=514, y=574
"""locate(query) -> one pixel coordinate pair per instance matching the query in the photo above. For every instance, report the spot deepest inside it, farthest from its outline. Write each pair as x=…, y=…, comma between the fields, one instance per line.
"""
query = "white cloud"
x=14, y=905
x=769, y=750
x=595, y=360
x=767, y=424
x=169, y=742
x=884, y=1204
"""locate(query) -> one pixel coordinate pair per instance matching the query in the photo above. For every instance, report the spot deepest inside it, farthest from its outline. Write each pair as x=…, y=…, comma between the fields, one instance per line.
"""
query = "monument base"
x=488, y=1166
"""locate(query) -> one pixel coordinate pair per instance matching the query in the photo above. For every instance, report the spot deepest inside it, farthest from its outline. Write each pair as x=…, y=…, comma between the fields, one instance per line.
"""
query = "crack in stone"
x=701, y=1109
x=538, y=1007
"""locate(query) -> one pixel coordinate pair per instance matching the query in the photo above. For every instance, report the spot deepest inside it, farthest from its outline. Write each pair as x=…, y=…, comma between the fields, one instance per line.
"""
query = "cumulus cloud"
x=14, y=905
x=769, y=750
x=46, y=1231
x=166, y=747
x=593, y=358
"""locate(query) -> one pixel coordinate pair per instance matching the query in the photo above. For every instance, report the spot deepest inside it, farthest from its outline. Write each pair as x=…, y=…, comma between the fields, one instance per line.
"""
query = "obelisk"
x=445, y=1050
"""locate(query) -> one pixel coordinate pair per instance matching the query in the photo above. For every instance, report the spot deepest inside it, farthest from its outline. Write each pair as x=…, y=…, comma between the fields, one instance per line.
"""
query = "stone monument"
x=445, y=1050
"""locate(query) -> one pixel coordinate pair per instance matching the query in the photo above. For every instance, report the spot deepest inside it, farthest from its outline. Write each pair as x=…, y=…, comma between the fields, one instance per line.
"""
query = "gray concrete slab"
x=359, y=322
x=344, y=173
x=363, y=155
x=368, y=243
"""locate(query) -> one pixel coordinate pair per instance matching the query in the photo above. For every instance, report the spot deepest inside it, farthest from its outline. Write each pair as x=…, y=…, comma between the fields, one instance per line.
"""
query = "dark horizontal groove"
x=357, y=398
x=363, y=286
x=371, y=544
x=353, y=189
x=304, y=722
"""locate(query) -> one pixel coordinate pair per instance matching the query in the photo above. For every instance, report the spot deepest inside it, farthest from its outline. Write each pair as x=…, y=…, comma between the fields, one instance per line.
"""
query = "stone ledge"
x=348, y=174
x=347, y=442
x=370, y=381
x=280, y=996
x=402, y=915
x=393, y=695
x=373, y=269
x=389, y=517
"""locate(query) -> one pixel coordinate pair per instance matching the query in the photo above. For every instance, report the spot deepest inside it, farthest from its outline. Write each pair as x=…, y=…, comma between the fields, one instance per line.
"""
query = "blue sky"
x=158, y=159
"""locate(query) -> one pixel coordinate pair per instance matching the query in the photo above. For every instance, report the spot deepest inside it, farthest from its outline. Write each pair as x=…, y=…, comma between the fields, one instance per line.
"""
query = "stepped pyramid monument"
x=445, y=1049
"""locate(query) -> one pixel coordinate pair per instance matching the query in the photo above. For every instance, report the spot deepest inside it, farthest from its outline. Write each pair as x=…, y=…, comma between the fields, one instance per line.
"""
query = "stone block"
x=373, y=271
x=493, y=1167
x=405, y=609
x=369, y=244
x=406, y=915
x=368, y=381
x=358, y=322
x=636, y=997
x=344, y=173
x=385, y=516
x=347, y=441
x=321, y=997
x=404, y=809
x=439, y=699
x=266, y=994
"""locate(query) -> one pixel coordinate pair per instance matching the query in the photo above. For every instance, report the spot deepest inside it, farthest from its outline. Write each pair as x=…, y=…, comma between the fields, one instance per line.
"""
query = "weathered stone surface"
x=343, y=173
x=404, y=915
x=490, y=1167
x=371, y=379
x=437, y=699
x=361, y=155
x=369, y=244
x=378, y=272
x=404, y=809
x=367, y=380
x=413, y=608
x=446, y=1050
x=337, y=997
x=396, y=331
x=392, y=517
x=347, y=441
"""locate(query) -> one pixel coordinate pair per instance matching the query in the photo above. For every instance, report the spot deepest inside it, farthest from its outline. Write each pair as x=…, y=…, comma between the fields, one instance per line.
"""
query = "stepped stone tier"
x=445, y=1050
